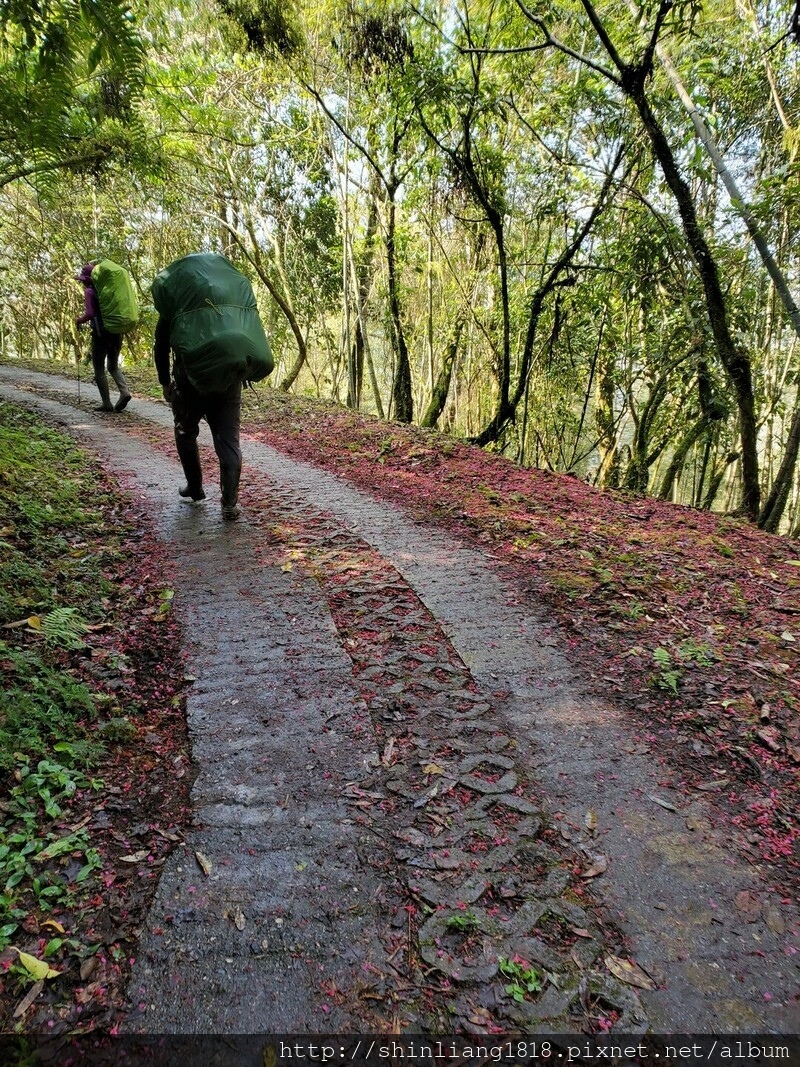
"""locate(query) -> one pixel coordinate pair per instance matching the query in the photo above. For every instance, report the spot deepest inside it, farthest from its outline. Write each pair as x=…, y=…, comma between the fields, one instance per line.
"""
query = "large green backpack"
x=119, y=307
x=215, y=329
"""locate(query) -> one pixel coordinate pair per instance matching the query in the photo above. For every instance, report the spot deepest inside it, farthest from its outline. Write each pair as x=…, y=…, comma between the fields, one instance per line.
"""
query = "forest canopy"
x=563, y=230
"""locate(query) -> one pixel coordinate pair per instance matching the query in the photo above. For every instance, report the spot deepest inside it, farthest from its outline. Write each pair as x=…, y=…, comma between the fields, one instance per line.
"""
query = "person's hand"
x=167, y=391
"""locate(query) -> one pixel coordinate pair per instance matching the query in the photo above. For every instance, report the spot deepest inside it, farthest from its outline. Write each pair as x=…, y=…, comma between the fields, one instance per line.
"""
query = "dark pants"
x=222, y=412
x=106, y=348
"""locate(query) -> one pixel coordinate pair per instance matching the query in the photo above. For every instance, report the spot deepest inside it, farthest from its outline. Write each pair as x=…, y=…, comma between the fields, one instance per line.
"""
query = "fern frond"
x=64, y=628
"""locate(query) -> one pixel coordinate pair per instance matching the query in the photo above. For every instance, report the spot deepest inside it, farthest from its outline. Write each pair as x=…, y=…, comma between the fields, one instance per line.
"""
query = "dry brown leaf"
x=697, y=822
x=771, y=737
x=135, y=857
x=432, y=768
x=598, y=865
x=481, y=1017
x=239, y=919
x=204, y=863
x=663, y=803
x=774, y=919
x=590, y=822
x=716, y=783
x=628, y=972
x=747, y=905
x=29, y=998
x=56, y=925
x=386, y=759
x=88, y=967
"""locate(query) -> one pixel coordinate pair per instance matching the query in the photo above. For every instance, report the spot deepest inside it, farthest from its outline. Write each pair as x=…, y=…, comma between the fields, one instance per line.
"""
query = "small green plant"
x=668, y=676
x=31, y=853
x=465, y=922
x=723, y=548
x=49, y=783
x=64, y=628
x=387, y=446
x=573, y=586
x=522, y=978
x=118, y=729
x=740, y=605
x=164, y=608
x=635, y=610
x=694, y=652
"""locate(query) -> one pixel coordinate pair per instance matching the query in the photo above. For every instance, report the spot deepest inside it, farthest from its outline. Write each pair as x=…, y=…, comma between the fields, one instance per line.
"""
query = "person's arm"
x=90, y=306
x=161, y=356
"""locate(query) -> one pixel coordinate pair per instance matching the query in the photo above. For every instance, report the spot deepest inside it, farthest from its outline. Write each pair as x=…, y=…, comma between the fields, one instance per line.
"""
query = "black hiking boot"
x=229, y=486
x=192, y=494
x=123, y=402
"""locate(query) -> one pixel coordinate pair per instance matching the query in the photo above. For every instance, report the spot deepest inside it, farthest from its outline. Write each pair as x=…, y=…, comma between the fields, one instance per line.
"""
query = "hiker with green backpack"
x=209, y=320
x=111, y=307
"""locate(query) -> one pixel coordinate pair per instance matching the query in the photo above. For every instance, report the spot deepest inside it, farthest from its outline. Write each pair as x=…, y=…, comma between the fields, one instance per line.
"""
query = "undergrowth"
x=54, y=544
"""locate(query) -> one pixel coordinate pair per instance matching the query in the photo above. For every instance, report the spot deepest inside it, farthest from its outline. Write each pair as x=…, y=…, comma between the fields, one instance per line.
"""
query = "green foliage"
x=523, y=979
x=697, y=652
x=49, y=502
x=689, y=652
x=32, y=850
x=63, y=628
x=40, y=705
x=270, y=26
x=668, y=675
x=467, y=922
x=75, y=70
x=117, y=729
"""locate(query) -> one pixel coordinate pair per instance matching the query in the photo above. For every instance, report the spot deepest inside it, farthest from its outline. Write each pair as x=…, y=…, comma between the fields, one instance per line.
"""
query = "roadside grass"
x=72, y=706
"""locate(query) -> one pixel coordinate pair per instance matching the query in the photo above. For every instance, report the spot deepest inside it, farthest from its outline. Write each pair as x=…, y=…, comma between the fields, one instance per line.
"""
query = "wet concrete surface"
x=277, y=726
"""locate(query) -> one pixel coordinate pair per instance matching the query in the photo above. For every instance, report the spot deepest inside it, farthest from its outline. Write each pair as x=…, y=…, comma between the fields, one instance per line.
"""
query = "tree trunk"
x=609, y=472
x=679, y=456
x=772, y=512
x=735, y=362
x=442, y=385
x=402, y=396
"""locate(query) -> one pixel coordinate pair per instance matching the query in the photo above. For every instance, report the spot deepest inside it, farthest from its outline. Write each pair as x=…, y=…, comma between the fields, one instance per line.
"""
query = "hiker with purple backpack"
x=106, y=340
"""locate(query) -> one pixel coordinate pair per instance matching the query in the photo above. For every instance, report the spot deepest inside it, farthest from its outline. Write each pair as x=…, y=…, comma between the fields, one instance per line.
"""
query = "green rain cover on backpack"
x=116, y=296
x=215, y=328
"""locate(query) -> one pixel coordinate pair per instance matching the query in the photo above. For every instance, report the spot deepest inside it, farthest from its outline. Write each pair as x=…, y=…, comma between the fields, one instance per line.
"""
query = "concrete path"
x=299, y=910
